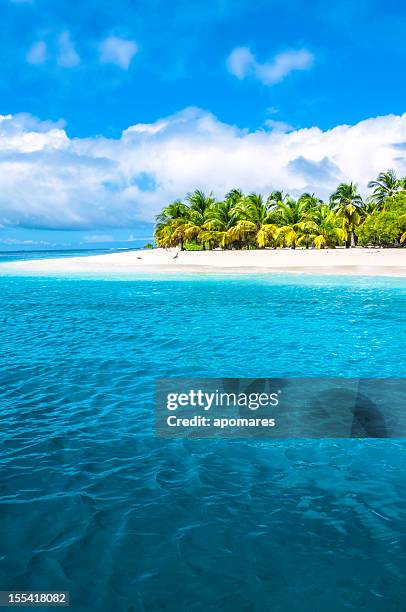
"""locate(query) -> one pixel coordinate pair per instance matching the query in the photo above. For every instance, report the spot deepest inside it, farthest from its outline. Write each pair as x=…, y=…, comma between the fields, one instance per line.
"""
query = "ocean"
x=6, y=256
x=93, y=503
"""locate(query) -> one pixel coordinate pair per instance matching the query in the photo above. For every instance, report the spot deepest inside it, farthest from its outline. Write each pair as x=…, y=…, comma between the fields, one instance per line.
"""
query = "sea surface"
x=93, y=503
x=6, y=256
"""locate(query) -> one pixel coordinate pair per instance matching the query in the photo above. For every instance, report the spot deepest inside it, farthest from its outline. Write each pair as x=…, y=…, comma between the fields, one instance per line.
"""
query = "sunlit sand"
x=369, y=261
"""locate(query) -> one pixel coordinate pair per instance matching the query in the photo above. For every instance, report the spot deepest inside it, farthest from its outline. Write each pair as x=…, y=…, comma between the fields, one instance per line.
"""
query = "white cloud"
x=50, y=180
x=242, y=63
x=15, y=241
x=283, y=64
x=98, y=238
x=115, y=50
x=68, y=57
x=280, y=126
x=37, y=54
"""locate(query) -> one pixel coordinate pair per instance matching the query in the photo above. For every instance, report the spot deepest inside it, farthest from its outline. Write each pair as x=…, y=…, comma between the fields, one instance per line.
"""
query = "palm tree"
x=311, y=203
x=250, y=221
x=323, y=226
x=347, y=202
x=252, y=208
x=254, y=221
x=164, y=236
x=221, y=217
x=199, y=204
x=234, y=196
x=175, y=210
x=369, y=207
x=169, y=221
x=384, y=187
x=310, y=200
x=402, y=238
x=275, y=198
x=291, y=221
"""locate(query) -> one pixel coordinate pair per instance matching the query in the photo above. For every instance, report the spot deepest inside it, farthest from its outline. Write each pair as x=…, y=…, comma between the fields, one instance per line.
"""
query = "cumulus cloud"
x=321, y=170
x=242, y=63
x=118, y=51
x=50, y=180
x=68, y=57
x=37, y=54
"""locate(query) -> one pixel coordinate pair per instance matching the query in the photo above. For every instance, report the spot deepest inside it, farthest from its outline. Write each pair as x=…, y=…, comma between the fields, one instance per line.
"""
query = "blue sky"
x=89, y=70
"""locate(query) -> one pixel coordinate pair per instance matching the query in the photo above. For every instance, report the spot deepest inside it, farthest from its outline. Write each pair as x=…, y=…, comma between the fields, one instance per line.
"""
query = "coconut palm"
x=402, y=218
x=291, y=215
x=252, y=208
x=310, y=199
x=254, y=223
x=369, y=207
x=169, y=222
x=199, y=204
x=385, y=186
x=323, y=226
x=347, y=202
x=275, y=198
x=234, y=196
x=221, y=217
x=164, y=236
x=175, y=210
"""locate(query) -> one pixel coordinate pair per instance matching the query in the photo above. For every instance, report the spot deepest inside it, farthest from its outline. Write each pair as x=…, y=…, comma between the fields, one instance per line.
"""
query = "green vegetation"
x=387, y=226
x=251, y=221
x=149, y=245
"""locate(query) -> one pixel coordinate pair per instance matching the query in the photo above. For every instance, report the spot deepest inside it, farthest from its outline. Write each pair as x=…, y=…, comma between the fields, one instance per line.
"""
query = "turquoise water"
x=93, y=503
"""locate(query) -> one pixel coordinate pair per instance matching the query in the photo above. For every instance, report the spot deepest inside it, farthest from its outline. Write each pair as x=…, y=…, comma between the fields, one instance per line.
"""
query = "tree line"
x=251, y=221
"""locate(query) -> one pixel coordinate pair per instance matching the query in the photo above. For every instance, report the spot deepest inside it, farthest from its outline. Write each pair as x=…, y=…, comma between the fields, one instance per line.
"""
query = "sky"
x=110, y=110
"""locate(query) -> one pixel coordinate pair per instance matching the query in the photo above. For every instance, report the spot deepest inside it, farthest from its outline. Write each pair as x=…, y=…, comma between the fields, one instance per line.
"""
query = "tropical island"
x=251, y=221
x=250, y=234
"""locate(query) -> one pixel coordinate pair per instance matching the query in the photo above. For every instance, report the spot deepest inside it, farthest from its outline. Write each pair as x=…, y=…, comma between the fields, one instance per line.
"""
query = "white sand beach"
x=358, y=261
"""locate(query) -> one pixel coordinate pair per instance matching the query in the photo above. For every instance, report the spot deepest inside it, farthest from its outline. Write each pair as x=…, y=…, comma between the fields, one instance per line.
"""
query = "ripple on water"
x=91, y=502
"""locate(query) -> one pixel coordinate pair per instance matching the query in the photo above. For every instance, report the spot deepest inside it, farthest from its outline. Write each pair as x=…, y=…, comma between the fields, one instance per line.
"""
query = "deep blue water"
x=93, y=503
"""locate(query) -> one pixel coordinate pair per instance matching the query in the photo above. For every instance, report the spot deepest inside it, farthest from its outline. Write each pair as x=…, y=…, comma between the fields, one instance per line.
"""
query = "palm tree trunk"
x=353, y=244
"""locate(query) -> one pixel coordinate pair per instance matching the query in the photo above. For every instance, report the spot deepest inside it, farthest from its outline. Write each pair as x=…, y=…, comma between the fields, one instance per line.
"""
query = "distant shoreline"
x=357, y=261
